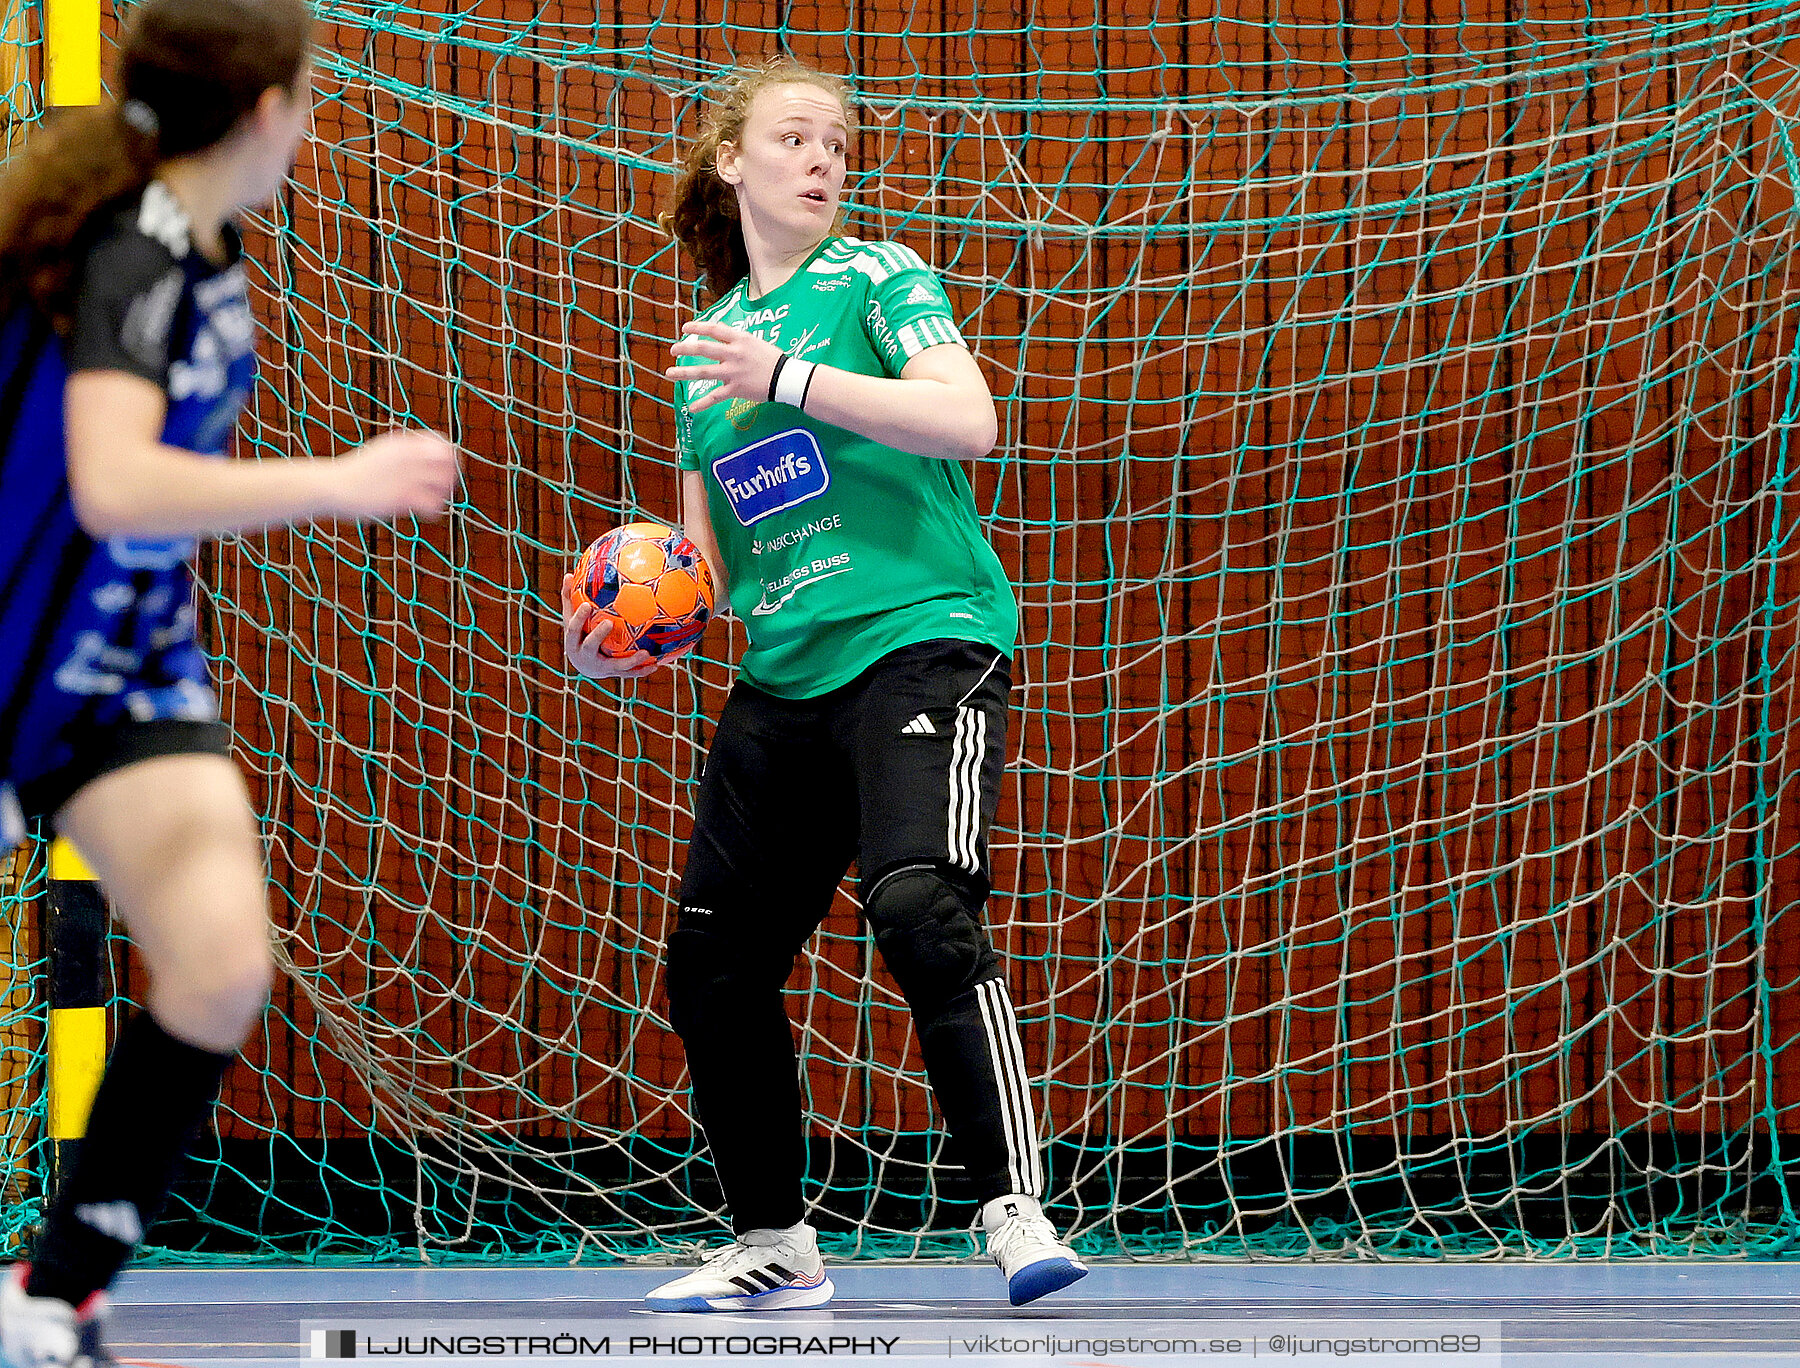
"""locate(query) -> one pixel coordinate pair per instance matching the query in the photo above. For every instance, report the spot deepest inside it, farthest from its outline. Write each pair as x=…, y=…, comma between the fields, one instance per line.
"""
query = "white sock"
x=994, y=1212
x=800, y=1231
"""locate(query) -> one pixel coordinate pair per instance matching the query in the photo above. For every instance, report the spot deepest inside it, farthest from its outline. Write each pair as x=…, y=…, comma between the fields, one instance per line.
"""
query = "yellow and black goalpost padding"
x=74, y=912
x=75, y=930
x=71, y=53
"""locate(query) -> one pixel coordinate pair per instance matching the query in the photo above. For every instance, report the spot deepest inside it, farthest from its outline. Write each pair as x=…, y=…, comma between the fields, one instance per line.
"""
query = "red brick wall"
x=1327, y=464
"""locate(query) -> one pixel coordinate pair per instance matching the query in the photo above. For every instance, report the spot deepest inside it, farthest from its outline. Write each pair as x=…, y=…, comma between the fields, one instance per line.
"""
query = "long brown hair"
x=189, y=70
x=703, y=213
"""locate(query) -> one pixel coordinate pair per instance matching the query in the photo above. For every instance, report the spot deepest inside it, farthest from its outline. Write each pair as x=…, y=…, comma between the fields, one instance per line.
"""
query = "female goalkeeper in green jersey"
x=824, y=403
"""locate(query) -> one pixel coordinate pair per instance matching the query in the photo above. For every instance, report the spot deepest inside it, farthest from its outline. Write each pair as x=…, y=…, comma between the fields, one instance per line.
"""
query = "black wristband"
x=774, y=375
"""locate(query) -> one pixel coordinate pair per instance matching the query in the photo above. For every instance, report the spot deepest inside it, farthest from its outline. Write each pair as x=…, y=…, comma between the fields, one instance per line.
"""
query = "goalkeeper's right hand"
x=587, y=631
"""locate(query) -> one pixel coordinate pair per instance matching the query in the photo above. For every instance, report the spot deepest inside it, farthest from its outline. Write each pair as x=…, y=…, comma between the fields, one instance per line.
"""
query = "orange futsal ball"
x=654, y=581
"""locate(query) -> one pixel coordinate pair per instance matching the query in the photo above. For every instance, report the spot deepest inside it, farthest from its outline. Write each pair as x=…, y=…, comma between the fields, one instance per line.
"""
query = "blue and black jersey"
x=96, y=635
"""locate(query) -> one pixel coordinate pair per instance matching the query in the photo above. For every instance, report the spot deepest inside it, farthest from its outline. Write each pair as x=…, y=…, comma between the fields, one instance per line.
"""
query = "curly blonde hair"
x=703, y=213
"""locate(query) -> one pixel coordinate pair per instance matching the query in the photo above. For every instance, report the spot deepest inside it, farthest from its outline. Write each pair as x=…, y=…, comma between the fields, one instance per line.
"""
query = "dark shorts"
x=901, y=766
x=110, y=749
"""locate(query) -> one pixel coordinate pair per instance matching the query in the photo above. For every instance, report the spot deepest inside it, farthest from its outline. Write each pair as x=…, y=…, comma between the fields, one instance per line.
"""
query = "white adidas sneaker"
x=761, y=1270
x=1024, y=1244
x=46, y=1332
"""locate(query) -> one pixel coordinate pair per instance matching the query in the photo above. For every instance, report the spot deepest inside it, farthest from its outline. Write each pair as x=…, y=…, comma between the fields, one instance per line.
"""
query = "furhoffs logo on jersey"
x=773, y=474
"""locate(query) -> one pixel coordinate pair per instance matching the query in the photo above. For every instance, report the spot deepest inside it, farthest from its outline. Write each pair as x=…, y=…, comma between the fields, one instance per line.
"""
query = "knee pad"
x=709, y=973
x=928, y=929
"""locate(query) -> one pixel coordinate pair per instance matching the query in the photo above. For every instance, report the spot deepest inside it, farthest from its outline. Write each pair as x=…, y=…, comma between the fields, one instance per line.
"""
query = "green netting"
x=1398, y=848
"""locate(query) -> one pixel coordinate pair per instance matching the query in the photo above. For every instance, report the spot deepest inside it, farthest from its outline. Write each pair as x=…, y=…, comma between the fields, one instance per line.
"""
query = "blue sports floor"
x=1591, y=1315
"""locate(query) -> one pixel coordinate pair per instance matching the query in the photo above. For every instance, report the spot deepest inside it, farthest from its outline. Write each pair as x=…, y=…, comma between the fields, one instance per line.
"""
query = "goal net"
x=1398, y=848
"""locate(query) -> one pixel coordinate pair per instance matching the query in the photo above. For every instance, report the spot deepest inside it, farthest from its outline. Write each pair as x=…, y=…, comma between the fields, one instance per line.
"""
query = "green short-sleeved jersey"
x=838, y=549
